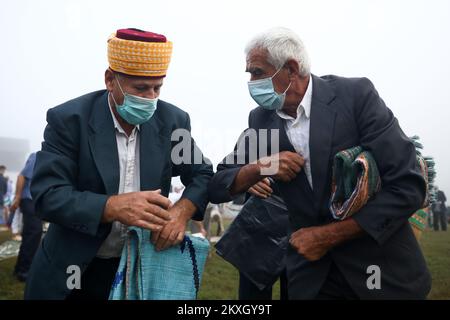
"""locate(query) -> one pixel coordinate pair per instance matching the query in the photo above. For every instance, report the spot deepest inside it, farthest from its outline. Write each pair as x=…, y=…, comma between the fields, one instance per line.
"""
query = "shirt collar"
x=116, y=122
x=304, y=106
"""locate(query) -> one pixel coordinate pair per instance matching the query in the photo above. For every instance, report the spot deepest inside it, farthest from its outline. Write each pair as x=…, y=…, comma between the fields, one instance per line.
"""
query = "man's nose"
x=151, y=94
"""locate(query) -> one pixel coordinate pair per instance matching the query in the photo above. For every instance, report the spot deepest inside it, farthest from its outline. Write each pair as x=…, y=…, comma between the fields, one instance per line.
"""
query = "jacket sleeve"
x=53, y=186
x=228, y=168
x=402, y=185
x=220, y=184
x=195, y=173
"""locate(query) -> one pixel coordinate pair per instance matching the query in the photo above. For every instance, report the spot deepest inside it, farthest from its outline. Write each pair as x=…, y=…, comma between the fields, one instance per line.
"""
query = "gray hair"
x=282, y=44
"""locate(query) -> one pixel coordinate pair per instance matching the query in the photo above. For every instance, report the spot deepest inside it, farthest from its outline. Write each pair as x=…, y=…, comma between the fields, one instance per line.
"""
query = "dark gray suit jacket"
x=346, y=112
x=78, y=169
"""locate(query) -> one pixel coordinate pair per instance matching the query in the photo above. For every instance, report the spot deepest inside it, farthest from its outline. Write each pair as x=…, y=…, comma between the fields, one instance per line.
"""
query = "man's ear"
x=293, y=68
x=109, y=80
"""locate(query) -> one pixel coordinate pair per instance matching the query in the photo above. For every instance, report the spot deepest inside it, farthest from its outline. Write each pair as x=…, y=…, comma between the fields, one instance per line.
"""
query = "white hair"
x=281, y=44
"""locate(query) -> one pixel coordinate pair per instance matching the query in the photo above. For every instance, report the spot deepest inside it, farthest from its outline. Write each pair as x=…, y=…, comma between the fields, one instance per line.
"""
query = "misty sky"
x=53, y=51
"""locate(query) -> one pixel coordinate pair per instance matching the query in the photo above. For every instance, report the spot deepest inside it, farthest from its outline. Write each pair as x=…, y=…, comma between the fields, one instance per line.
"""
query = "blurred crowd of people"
x=18, y=215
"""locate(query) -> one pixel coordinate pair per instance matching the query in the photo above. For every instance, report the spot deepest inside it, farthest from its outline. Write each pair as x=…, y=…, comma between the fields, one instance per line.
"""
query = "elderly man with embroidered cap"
x=106, y=164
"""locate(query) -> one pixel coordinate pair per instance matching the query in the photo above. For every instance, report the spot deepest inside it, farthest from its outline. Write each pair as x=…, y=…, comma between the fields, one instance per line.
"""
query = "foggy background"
x=53, y=51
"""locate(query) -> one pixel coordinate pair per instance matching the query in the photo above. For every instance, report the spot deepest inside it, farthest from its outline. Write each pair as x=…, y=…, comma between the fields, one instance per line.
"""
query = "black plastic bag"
x=256, y=241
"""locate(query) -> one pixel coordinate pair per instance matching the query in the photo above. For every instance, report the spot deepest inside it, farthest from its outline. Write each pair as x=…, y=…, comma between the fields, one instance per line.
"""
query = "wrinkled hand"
x=312, y=242
x=261, y=189
x=172, y=233
x=285, y=165
x=145, y=209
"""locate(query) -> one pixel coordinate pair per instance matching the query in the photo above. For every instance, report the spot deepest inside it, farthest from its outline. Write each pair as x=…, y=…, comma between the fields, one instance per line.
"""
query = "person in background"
x=14, y=217
x=3, y=190
x=16, y=225
x=439, y=209
x=32, y=224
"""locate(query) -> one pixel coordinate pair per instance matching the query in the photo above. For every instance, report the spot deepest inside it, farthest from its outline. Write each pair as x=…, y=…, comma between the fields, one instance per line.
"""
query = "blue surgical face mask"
x=263, y=92
x=135, y=110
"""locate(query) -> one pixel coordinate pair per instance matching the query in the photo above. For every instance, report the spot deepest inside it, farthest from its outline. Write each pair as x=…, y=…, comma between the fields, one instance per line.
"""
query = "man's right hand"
x=145, y=209
x=285, y=164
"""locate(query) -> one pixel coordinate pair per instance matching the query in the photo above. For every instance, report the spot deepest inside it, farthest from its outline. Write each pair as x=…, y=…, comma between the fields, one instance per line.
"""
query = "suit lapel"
x=103, y=145
x=321, y=135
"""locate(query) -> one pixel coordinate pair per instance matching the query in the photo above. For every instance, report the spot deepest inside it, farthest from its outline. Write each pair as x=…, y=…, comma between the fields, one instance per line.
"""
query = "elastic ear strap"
x=120, y=87
x=276, y=73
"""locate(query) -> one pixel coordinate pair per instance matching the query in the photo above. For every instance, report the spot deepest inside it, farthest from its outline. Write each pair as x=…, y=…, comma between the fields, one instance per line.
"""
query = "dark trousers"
x=439, y=218
x=31, y=236
x=96, y=280
x=336, y=287
x=249, y=291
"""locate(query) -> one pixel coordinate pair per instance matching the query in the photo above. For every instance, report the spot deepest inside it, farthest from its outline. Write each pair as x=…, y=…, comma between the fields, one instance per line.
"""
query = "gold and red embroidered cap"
x=139, y=53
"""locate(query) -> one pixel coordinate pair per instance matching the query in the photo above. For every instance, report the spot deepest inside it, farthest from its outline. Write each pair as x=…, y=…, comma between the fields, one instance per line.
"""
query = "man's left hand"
x=312, y=242
x=173, y=232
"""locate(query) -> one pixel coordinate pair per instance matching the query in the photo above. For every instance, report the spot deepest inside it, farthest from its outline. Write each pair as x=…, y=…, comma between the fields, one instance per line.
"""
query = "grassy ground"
x=10, y=288
x=220, y=280
x=436, y=247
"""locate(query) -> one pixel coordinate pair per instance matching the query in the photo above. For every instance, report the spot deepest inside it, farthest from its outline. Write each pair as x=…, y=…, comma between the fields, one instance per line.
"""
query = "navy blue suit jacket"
x=78, y=169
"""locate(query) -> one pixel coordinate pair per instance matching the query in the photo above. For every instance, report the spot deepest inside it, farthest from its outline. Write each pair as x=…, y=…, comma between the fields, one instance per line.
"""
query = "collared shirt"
x=27, y=173
x=128, y=151
x=297, y=129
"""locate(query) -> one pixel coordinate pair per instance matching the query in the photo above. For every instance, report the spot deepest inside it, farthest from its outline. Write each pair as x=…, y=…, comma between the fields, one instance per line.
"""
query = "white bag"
x=16, y=225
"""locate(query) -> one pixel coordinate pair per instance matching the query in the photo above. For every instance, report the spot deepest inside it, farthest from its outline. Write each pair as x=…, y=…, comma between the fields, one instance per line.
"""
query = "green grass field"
x=220, y=280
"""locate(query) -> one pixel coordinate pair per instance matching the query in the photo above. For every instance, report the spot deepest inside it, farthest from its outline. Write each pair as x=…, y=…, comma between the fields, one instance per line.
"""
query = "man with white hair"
x=373, y=254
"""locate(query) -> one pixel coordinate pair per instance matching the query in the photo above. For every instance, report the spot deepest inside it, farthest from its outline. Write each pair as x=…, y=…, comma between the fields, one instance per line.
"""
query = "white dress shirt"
x=128, y=152
x=297, y=129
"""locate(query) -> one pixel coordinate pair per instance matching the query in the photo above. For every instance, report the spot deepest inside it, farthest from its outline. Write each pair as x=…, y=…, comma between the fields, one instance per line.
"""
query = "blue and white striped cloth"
x=147, y=274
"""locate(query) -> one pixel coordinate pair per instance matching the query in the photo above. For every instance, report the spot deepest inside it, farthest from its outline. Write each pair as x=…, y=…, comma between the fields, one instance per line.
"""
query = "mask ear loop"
x=118, y=82
x=276, y=73
x=112, y=96
x=290, y=82
x=116, y=77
